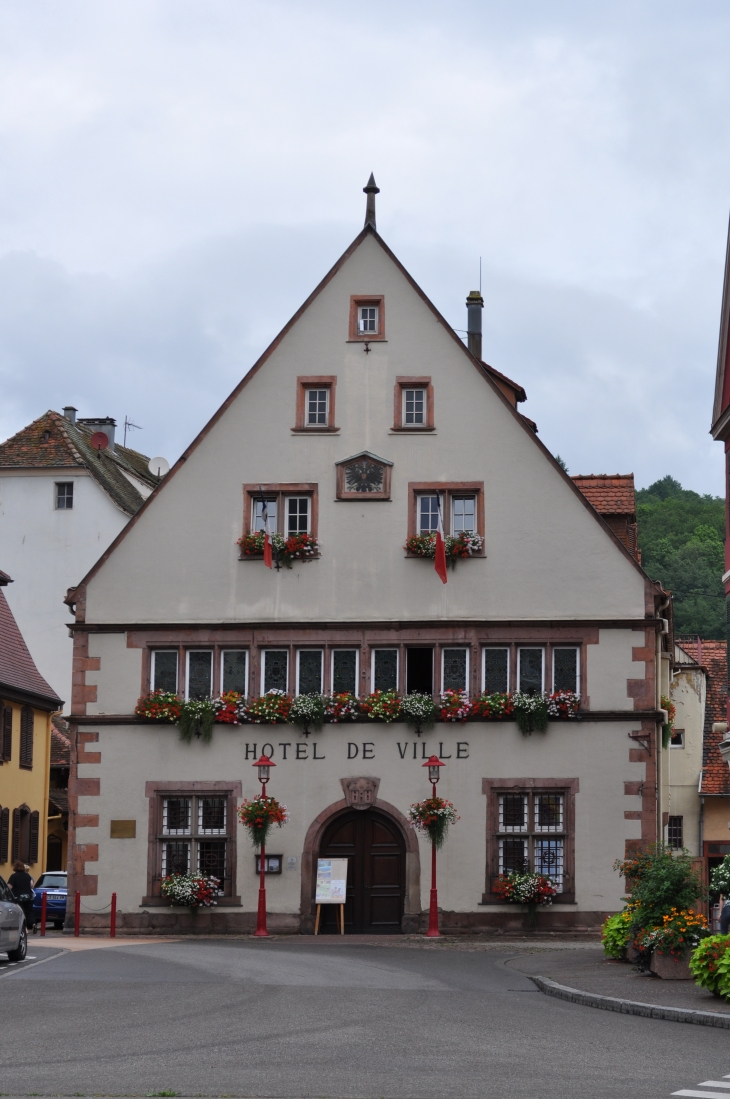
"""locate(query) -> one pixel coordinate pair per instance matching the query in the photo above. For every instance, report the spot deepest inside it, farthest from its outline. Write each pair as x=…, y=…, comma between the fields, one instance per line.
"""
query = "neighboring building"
x=63, y=500
x=364, y=418
x=26, y=706
x=682, y=764
x=613, y=496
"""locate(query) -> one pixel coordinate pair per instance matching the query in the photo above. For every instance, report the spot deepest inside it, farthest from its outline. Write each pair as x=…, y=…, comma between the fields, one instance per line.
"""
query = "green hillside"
x=681, y=535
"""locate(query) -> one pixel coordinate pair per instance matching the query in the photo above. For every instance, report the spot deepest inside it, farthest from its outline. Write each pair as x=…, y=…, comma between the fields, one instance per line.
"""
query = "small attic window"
x=46, y=436
x=367, y=318
x=64, y=495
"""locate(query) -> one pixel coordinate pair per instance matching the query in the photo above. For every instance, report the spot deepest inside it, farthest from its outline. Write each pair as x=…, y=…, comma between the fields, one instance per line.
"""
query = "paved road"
x=290, y=1019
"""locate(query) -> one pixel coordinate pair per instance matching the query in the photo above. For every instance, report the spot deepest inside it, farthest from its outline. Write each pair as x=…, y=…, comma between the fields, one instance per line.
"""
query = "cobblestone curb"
x=631, y=1007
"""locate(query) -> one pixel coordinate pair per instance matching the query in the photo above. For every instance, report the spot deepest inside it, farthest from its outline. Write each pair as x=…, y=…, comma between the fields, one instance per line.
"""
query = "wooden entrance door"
x=376, y=872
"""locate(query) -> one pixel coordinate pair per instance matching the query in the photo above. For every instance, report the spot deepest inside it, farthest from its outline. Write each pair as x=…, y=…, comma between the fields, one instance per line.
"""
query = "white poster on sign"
x=331, y=881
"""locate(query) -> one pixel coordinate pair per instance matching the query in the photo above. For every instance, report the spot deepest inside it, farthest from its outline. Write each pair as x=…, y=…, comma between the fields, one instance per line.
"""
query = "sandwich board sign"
x=331, y=881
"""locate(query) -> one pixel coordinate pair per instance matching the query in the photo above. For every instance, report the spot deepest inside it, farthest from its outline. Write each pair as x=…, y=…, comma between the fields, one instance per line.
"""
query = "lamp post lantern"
x=433, y=764
x=264, y=766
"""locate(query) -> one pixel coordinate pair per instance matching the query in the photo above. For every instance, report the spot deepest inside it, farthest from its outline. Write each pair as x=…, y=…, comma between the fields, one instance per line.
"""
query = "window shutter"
x=4, y=834
x=16, y=835
x=6, y=748
x=26, y=737
x=34, y=827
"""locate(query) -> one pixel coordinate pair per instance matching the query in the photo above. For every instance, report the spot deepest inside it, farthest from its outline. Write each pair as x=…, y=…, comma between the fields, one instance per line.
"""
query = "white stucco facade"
x=551, y=575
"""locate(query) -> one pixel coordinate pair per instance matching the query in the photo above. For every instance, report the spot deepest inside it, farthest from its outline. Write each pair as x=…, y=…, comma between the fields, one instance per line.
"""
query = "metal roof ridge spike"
x=371, y=190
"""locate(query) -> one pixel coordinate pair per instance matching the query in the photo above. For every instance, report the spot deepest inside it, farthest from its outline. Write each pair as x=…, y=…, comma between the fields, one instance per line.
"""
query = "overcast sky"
x=177, y=175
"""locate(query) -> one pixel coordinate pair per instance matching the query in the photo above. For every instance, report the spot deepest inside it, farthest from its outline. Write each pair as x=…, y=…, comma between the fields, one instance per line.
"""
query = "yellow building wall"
x=20, y=786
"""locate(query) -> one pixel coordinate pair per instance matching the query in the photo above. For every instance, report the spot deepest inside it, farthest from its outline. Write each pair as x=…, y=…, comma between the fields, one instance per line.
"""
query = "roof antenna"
x=128, y=424
x=480, y=274
x=371, y=191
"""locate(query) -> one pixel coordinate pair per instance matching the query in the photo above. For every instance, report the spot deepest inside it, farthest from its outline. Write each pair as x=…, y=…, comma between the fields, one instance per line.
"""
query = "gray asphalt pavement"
x=288, y=1019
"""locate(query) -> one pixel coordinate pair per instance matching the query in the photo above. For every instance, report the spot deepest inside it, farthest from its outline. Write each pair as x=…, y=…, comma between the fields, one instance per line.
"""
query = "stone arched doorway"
x=383, y=872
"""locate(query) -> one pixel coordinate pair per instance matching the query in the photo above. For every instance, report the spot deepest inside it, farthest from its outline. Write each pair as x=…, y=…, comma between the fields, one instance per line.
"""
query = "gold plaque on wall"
x=123, y=829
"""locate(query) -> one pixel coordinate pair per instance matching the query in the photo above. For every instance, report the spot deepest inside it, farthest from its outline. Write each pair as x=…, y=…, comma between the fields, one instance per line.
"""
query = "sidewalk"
x=589, y=970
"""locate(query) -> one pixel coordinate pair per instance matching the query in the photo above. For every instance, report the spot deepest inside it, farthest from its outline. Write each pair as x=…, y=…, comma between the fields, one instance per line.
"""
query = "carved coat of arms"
x=361, y=792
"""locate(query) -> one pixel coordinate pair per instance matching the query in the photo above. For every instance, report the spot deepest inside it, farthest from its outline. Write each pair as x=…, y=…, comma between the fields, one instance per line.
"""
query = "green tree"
x=681, y=535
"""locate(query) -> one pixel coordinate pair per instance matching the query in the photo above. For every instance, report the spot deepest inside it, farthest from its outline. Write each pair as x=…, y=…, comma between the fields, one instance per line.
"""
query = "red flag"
x=440, y=555
x=268, y=548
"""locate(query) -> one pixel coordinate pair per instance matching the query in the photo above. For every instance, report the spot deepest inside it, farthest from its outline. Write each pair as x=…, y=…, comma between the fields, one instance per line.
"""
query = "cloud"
x=177, y=176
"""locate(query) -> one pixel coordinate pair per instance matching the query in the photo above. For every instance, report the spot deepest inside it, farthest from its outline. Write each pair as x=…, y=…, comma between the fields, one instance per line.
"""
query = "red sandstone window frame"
x=279, y=491
x=447, y=489
x=358, y=300
x=493, y=787
x=401, y=384
x=315, y=381
x=156, y=792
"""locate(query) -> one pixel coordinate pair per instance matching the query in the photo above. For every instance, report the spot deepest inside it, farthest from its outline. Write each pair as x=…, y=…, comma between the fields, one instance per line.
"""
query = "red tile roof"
x=53, y=442
x=60, y=743
x=610, y=493
x=18, y=672
x=713, y=658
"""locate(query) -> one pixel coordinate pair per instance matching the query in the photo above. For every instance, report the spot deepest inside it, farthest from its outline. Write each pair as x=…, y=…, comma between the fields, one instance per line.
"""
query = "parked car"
x=13, y=933
x=53, y=884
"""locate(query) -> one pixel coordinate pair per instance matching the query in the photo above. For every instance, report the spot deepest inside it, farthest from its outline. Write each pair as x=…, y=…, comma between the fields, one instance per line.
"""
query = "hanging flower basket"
x=433, y=816
x=418, y=710
x=270, y=709
x=159, y=706
x=190, y=890
x=297, y=547
x=525, y=888
x=259, y=815
x=454, y=706
x=464, y=545
x=343, y=706
x=306, y=711
x=381, y=705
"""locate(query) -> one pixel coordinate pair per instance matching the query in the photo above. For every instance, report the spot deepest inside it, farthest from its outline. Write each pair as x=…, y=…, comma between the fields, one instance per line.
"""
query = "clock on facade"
x=363, y=476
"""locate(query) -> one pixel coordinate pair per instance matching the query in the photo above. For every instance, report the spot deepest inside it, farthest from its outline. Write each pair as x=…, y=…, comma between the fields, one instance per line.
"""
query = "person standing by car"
x=21, y=884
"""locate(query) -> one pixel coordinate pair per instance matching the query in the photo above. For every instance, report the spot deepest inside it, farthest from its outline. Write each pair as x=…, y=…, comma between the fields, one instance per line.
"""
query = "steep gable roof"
x=53, y=442
x=482, y=368
x=721, y=406
x=18, y=672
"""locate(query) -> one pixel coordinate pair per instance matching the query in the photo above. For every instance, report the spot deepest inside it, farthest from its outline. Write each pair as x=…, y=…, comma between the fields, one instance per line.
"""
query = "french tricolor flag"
x=268, y=547
x=440, y=555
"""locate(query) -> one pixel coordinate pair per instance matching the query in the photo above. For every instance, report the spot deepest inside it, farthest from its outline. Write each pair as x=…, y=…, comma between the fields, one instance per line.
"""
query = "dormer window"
x=367, y=322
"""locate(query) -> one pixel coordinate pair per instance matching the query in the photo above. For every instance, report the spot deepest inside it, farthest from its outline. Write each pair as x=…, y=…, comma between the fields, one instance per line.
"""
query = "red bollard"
x=44, y=905
x=113, y=926
x=77, y=915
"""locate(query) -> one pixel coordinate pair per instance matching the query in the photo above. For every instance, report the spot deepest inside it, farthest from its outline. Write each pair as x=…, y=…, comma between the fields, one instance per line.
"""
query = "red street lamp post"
x=433, y=932
x=264, y=768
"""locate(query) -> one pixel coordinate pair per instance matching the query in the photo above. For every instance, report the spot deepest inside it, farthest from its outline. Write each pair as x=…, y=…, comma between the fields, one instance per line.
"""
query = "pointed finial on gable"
x=371, y=191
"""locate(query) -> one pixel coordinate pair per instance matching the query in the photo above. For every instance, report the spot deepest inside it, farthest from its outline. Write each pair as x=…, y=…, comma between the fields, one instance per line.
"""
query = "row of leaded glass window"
x=234, y=670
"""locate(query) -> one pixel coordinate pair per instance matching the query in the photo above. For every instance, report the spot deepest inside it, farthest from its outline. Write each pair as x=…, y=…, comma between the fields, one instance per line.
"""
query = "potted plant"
x=710, y=965
x=269, y=709
x=159, y=706
x=342, y=706
x=190, y=890
x=197, y=716
x=381, y=705
x=530, y=889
